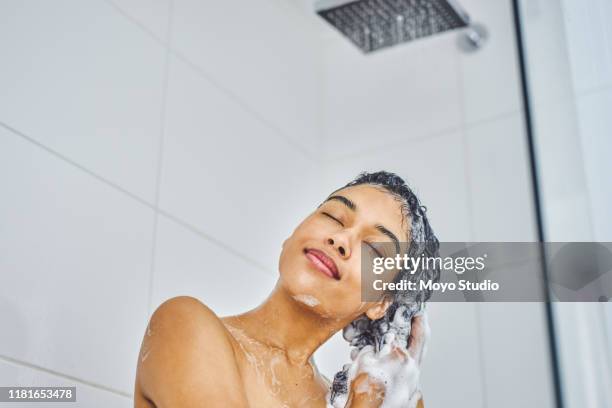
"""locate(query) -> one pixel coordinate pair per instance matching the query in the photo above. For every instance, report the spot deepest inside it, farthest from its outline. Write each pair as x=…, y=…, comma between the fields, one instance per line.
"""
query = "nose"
x=340, y=245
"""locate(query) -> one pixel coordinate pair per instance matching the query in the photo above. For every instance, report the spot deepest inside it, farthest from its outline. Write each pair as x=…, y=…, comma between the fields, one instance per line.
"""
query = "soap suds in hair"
x=307, y=300
x=392, y=367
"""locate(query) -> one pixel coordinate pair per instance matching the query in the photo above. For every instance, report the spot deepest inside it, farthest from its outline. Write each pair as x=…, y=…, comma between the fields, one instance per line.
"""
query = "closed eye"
x=332, y=217
x=374, y=249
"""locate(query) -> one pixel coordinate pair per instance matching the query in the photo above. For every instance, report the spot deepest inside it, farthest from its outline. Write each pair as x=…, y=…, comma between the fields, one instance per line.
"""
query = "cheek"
x=345, y=299
x=288, y=257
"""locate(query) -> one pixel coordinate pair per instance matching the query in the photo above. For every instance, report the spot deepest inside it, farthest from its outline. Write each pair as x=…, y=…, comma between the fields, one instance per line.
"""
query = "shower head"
x=376, y=24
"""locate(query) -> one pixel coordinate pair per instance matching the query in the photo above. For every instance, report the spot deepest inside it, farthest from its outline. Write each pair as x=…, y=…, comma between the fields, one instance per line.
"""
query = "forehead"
x=377, y=206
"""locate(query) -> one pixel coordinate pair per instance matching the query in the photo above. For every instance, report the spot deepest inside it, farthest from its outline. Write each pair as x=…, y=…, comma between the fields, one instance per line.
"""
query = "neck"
x=282, y=322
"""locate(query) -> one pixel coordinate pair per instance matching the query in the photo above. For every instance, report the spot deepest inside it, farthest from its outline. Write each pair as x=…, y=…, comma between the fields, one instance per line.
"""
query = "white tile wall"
x=490, y=81
x=75, y=266
x=589, y=42
x=563, y=187
x=595, y=124
x=229, y=174
x=572, y=130
x=188, y=264
x=500, y=181
x=263, y=53
x=397, y=94
x=151, y=14
x=547, y=57
x=332, y=355
x=452, y=373
x=516, y=355
x=584, y=352
x=86, y=82
x=86, y=396
x=513, y=336
x=82, y=105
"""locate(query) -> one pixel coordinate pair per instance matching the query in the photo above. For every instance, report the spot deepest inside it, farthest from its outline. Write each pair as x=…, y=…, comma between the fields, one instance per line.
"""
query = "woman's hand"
x=367, y=391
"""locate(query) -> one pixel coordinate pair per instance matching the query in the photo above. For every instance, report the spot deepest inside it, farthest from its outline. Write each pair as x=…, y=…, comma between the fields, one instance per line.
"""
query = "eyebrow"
x=353, y=207
x=390, y=235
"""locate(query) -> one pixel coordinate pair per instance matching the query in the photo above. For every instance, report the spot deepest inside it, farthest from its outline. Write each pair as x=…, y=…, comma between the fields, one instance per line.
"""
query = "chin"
x=299, y=281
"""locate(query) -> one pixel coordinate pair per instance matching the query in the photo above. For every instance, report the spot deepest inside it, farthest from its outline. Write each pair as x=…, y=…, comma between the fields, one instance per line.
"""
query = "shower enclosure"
x=566, y=49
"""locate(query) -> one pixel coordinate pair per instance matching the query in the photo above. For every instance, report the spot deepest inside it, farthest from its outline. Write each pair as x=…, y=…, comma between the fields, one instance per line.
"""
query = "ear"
x=379, y=309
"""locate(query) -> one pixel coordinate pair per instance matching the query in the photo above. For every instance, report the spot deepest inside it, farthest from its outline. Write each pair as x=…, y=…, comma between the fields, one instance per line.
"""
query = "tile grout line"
x=200, y=71
x=465, y=127
x=593, y=90
x=540, y=201
x=137, y=23
x=160, y=156
x=481, y=362
x=145, y=203
x=65, y=376
x=253, y=112
x=465, y=143
x=213, y=240
x=574, y=97
x=427, y=136
x=77, y=165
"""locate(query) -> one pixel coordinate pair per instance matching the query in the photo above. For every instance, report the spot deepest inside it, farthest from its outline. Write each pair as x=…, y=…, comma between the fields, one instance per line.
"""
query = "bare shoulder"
x=186, y=315
x=184, y=348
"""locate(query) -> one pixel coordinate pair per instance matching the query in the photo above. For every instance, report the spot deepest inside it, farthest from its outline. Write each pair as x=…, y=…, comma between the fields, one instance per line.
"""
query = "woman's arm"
x=187, y=360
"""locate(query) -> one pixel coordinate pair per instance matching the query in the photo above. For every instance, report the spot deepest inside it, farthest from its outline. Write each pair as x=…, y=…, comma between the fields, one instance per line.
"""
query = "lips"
x=322, y=262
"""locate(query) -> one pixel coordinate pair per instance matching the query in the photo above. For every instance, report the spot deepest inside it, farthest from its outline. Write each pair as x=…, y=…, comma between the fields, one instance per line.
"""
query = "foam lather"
x=391, y=366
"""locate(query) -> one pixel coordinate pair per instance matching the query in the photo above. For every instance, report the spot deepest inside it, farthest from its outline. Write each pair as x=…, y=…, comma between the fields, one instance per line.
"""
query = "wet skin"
x=189, y=357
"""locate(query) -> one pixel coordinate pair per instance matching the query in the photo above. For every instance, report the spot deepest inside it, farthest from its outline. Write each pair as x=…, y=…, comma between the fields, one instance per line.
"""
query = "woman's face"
x=320, y=264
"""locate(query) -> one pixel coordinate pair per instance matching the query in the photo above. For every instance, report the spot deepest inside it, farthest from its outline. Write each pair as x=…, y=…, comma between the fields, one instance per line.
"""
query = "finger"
x=417, y=339
x=399, y=353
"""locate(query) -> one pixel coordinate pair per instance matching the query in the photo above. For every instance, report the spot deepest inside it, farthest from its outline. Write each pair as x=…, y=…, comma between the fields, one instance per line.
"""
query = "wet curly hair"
x=422, y=241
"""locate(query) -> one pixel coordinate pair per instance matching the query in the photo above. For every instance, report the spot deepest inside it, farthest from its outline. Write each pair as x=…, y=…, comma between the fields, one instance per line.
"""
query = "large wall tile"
x=549, y=73
x=397, y=94
x=595, y=125
x=228, y=174
x=332, y=355
x=85, y=81
x=490, y=75
x=452, y=374
x=500, y=181
x=75, y=263
x=262, y=52
x=517, y=360
x=434, y=167
x=588, y=36
x=12, y=374
x=187, y=264
x=563, y=187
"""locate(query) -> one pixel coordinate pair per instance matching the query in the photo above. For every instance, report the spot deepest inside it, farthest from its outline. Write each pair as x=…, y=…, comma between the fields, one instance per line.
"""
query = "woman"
x=263, y=358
